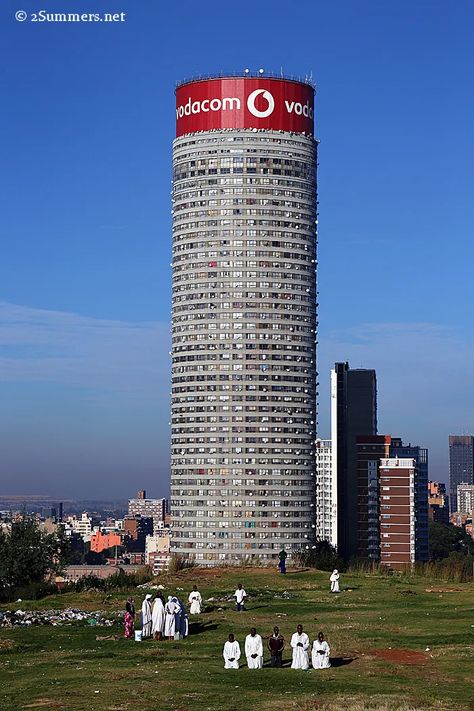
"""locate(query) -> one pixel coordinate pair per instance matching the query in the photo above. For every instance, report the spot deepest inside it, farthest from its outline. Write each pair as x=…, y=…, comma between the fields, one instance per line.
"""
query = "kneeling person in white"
x=254, y=650
x=320, y=653
x=300, y=646
x=231, y=653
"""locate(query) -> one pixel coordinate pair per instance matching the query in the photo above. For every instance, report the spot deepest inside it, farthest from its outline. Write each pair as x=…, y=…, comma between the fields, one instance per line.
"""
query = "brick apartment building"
x=397, y=513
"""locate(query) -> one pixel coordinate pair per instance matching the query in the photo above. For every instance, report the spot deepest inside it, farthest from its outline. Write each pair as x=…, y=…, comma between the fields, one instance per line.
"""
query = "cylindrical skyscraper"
x=244, y=318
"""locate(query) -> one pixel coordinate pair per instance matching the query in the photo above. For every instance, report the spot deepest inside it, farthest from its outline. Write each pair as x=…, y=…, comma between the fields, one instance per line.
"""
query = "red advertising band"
x=245, y=102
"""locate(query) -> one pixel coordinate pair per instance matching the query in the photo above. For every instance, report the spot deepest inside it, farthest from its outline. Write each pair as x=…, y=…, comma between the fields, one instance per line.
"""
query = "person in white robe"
x=320, y=653
x=158, y=617
x=334, y=580
x=171, y=610
x=300, y=645
x=195, y=600
x=231, y=653
x=146, y=617
x=254, y=650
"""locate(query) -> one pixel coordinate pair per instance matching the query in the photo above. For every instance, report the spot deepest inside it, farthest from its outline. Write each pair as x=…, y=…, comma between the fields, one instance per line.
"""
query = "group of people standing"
x=300, y=645
x=164, y=620
x=169, y=620
x=160, y=619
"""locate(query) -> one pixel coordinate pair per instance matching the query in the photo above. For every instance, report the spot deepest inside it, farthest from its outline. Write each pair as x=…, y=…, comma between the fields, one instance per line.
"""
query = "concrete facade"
x=325, y=514
x=148, y=508
x=465, y=499
x=243, y=344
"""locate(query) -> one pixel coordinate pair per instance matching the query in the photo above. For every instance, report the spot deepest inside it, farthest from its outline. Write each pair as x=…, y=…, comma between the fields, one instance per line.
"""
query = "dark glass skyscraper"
x=461, y=464
x=353, y=414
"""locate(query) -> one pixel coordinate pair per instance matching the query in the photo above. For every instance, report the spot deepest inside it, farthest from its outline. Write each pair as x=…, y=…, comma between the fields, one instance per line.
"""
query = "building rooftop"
x=249, y=73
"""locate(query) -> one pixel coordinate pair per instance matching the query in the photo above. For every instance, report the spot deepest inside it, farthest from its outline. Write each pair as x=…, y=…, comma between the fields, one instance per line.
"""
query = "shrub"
x=179, y=562
x=321, y=555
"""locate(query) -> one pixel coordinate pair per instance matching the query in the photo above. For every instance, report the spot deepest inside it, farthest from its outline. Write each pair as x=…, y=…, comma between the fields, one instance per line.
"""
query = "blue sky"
x=86, y=130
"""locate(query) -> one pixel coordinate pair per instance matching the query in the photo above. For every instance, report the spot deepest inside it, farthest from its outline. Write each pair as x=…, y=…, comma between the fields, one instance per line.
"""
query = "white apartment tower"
x=326, y=519
x=244, y=324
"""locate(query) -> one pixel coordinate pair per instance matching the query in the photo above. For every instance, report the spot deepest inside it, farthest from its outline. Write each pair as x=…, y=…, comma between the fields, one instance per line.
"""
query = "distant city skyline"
x=86, y=228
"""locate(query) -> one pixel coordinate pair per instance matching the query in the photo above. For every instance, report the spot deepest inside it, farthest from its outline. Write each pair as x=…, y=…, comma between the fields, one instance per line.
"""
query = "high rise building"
x=326, y=522
x=244, y=324
x=353, y=414
x=148, y=508
x=461, y=464
x=398, y=520
x=384, y=511
x=370, y=450
x=420, y=458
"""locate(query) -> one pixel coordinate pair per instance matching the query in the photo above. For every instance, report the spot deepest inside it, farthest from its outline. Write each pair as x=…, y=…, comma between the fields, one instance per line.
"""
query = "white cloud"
x=56, y=346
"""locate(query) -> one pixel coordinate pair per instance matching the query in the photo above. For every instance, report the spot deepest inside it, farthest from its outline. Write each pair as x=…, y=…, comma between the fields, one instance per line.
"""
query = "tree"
x=445, y=539
x=321, y=555
x=29, y=555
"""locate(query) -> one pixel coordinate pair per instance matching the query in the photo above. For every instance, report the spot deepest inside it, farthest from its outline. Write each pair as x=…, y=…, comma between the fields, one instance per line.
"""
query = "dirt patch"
x=108, y=637
x=218, y=572
x=6, y=644
x=443, y=590
x=45, y=703
x=356, y=703
x=400, y=656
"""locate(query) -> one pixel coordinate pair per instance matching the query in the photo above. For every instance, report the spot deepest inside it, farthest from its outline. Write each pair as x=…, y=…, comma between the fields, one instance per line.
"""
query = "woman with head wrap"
x=158, y=617
x=334, y=579
x=146, y=617
x=183, y=620
x=195, y=599
x=170, y=618
x=129, y=618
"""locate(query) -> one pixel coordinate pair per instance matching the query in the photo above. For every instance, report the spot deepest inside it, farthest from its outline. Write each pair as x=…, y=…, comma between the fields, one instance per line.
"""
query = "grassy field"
x=395, y=643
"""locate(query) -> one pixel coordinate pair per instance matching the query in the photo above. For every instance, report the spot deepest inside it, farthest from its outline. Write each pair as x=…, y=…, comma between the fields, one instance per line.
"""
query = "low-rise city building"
x=103, y=541
x=465, y=498
x=82, y=525
x=438, y=504
x=148, y=508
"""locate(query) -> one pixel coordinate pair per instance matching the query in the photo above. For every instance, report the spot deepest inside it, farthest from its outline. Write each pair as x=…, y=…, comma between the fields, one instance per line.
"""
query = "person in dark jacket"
x=276, y=645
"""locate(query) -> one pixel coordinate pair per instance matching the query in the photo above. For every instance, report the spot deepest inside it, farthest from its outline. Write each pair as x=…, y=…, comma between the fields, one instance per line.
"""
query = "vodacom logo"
x=268, y=98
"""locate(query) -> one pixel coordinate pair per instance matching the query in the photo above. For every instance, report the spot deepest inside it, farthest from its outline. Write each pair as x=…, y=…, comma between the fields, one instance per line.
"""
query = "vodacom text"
x=233, y=103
